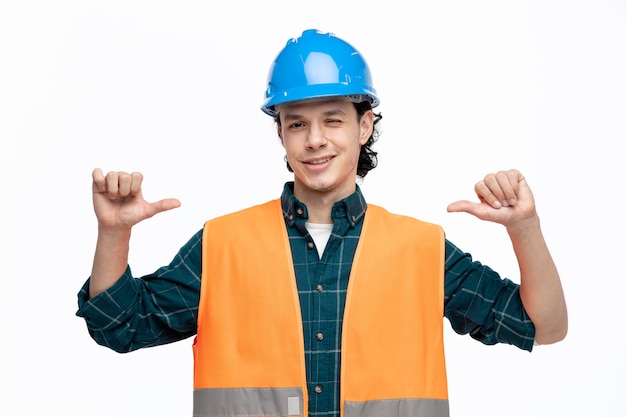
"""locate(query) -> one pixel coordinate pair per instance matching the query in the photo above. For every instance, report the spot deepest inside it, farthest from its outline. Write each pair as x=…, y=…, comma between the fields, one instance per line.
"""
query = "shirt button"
x=318, y=389
x=319, y=288
x=319, y=336
x=291, y=217
x=299, y=211
x=310, y=245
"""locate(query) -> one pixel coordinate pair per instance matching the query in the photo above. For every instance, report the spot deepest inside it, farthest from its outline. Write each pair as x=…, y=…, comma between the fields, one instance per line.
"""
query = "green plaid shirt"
x=162, y=307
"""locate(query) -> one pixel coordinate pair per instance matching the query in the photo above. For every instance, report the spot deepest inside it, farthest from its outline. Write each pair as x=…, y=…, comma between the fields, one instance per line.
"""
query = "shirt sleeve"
x=480, y=303
x=148, y=311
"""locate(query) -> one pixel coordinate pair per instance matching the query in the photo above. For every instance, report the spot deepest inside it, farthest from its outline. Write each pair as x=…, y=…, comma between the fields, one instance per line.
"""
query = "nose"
x=316, y=137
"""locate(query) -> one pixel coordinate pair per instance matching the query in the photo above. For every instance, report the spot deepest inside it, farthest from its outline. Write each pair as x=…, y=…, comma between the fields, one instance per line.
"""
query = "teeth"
x=319, y=161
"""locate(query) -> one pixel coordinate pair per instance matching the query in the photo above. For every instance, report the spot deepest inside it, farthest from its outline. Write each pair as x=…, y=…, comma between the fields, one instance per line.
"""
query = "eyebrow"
x=332, y=112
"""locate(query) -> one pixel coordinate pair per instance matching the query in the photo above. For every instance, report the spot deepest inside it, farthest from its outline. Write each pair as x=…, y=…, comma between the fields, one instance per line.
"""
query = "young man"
x=318, y=303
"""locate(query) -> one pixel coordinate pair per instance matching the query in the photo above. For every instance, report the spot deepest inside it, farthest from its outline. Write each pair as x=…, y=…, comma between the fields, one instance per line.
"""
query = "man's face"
x=323, y=140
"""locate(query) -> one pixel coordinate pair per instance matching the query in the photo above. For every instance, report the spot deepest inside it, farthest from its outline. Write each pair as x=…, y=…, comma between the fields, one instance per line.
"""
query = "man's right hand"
x=119, y=203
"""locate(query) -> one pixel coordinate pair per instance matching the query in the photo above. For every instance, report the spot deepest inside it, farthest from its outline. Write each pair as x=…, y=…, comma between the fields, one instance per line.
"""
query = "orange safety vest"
x=249, y=350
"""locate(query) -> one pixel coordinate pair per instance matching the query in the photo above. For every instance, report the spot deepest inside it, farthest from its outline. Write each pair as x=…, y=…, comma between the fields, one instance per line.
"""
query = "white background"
x=173, y=89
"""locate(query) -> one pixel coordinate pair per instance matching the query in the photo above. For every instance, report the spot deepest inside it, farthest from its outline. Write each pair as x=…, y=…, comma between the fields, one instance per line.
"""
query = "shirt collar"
x=352, y=208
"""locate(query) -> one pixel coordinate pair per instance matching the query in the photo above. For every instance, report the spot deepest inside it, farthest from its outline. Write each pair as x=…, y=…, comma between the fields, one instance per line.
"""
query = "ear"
x=366, y=125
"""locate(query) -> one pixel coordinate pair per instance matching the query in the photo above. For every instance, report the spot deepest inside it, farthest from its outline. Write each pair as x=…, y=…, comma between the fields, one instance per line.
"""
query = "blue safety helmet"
x=318, y=65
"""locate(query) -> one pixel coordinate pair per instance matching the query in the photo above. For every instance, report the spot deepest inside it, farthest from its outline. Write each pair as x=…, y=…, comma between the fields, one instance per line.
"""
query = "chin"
x=322, y=187
x=319, y=186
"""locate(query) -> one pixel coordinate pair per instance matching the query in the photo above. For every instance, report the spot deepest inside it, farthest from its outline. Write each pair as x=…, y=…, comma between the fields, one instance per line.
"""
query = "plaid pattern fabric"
x=162, y=307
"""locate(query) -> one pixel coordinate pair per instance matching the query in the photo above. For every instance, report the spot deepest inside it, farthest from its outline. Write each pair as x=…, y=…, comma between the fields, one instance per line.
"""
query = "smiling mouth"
x=319, y=161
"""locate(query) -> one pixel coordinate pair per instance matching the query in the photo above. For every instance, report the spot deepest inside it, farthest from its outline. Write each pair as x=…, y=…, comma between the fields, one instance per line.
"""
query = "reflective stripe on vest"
x=248, y=402
x=249, y=350
x=398, y=407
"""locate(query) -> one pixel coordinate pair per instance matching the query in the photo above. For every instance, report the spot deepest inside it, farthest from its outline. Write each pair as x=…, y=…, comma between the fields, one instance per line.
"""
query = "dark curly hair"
x=368, y=157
